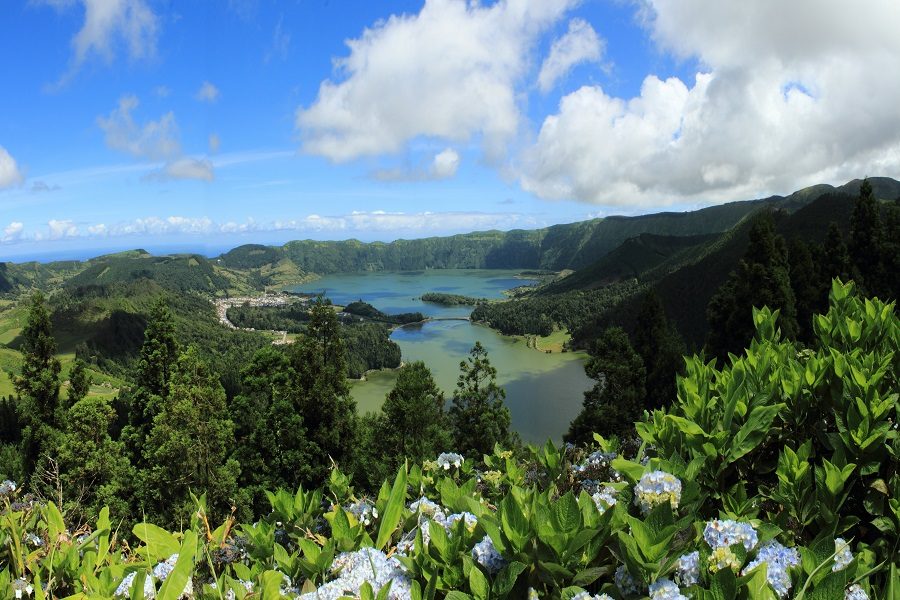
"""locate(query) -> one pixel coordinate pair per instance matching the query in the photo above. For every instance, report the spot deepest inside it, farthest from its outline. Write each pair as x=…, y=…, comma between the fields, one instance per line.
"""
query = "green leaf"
x=160, y=544
x=456, y=595
x=174, y=584
x=753, y=431
x=565, y=514
x=724, y=585
x=391, y=516
x=478, y=583
x=505, y=580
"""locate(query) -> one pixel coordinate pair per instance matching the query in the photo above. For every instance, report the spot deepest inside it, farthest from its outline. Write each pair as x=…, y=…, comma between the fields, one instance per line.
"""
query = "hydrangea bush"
x=772, y=478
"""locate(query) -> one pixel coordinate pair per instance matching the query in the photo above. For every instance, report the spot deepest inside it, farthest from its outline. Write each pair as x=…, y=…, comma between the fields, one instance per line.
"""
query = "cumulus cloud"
x=109, y=24
x=185, y=168
x=580, y=44
x=154, y=139
x=59, y=229
x=443, y=166
x=98, y=230
x=367, y=222
x=207, y=92
x=10, y=174
x=12, y=232
x=787, y=94
x=449, y=72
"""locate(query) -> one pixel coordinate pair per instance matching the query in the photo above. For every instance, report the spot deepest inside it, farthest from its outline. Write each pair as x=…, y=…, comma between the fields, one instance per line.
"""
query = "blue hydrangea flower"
x=725, y=533
x=855, y=592
x=843, y=555
x=7, y=487
x=589, y=596
x=487, y=556
x=665, y=589
x=687, y=569
x=627, y=584
x=655, y=488
x=364, y=511
x=366, y=565
x=448, y=459
x=778, y=560
x=605, y=498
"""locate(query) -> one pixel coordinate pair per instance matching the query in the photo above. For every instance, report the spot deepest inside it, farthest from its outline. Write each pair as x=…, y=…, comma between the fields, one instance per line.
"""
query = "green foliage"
x=615, y=402
x=661, y=350
x=368, y=346
x=366, y=310
x=445, y=299
x=79, y=382
x=478, y=417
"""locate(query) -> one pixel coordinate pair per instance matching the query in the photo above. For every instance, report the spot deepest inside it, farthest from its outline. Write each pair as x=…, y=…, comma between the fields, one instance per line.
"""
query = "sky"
x=204, y=125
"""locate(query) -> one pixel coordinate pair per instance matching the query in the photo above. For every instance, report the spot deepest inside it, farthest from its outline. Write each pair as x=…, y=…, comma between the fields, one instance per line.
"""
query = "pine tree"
x=836, y=262
x=806, y=282
x=867, y=242
x=614, y=403
x=38, y=386
x=478, y=417
x=412, y=424
x=159, y=353
x=94, y=469
x=79, y=383
x=189, y=446
x=661, y=350
x=762, y=278
x=321, y=390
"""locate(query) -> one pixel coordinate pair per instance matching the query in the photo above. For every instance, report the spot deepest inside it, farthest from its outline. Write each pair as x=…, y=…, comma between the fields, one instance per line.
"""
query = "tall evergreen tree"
x=319, y=368
x=661, y=349
x=806, y=281
x=79, y=383
x=189, y=446
x=158, y=356
x=762, y=278
x=94, y=470
x=38, y=386
x=412, y=424
x=614, y=403
x=836, y=258
x=478, y=417
x=867, y=242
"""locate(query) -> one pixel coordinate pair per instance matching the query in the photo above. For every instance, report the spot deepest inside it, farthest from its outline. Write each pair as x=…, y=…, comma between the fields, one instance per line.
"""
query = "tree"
x=38, y=386
x=159, y=353
x=94, y=469
x=762, y=278
x=661, y=350
x=321, y=392
x=412, y=424
x=614, y=403
x=189, y=445
x=807, y=284
x=478, y=417
x=79, y=383
x=867, y=241
x=836, y=262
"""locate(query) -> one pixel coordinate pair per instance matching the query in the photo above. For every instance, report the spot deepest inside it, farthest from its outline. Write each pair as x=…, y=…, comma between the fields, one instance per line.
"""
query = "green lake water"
x=543, y=391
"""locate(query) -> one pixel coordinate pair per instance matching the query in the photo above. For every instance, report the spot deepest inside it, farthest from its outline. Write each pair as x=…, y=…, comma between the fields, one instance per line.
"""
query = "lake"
x=543, y=391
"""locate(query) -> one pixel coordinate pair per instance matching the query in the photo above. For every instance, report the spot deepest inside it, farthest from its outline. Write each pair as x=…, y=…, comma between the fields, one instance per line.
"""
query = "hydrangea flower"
x=725, y=533
x=655, y=488
x=366, y=565
x=687, y=569
x=605, y=498
x=589, y=596
x=7, y=487
x=627, y=584
x=449, y=459
x=22, y=586
x=723, y=558
x=778, y=560
x=843, y=555
x=855, y=592
x=426, y=507
x=33, y=540
x=470, y=520
x=665, y=589
x=532, y=594
x=595, y=460
x=160, y=572
x=487, y=556
x=365, y=512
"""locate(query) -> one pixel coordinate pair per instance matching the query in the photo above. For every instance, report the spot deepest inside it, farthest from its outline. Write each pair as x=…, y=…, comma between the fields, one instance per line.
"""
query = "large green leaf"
x=753, y=431
x=184, y=567
x=391, y=516
x=160, y=544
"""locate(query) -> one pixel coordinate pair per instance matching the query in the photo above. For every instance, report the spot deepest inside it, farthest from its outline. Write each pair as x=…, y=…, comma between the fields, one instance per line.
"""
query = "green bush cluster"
x=773, y=477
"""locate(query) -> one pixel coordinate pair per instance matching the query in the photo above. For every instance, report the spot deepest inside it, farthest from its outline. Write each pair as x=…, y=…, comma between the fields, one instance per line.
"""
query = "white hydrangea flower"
x=843, y=555
x=855, y=592
x=778, y=560
x=448, y=459
x=725, y=533
x=7, y=487
x=665, y=589
x=688, y=569
x=655, y=488
x=366, y=565
x=365, y=512
x=160, y=572
x=605, y=498
x=589, y=596
x=487, y=556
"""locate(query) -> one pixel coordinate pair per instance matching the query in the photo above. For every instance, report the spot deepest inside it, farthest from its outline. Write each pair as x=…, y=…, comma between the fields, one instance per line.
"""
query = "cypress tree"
x=661, y=349
x=614, y=403
x=867, y=242
x=79, y=383
x=836, y=262
x=478, y=417
x=806, y=282
x=38, y=386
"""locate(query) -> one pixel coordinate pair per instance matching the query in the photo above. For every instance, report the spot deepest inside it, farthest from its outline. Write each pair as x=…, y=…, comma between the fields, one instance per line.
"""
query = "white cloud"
x=10, y=174
x=98, y=230
x=788, y=94
x=400, y=223
x=185, y=168
x=42, y=186
x=59, y=229
x=281, y=43
x=12, y=232
x=445, y=164
x=449, y=72
x=154, y=139
x=580, y=44
x=108, y=24
x=207, y=92
x=215, y=142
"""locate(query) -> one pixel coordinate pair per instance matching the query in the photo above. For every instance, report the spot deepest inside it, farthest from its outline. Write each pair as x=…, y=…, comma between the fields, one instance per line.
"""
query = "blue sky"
x=203, y=125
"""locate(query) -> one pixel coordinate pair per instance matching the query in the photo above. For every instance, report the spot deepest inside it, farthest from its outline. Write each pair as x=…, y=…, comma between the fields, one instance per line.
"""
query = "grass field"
x=555, y=342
